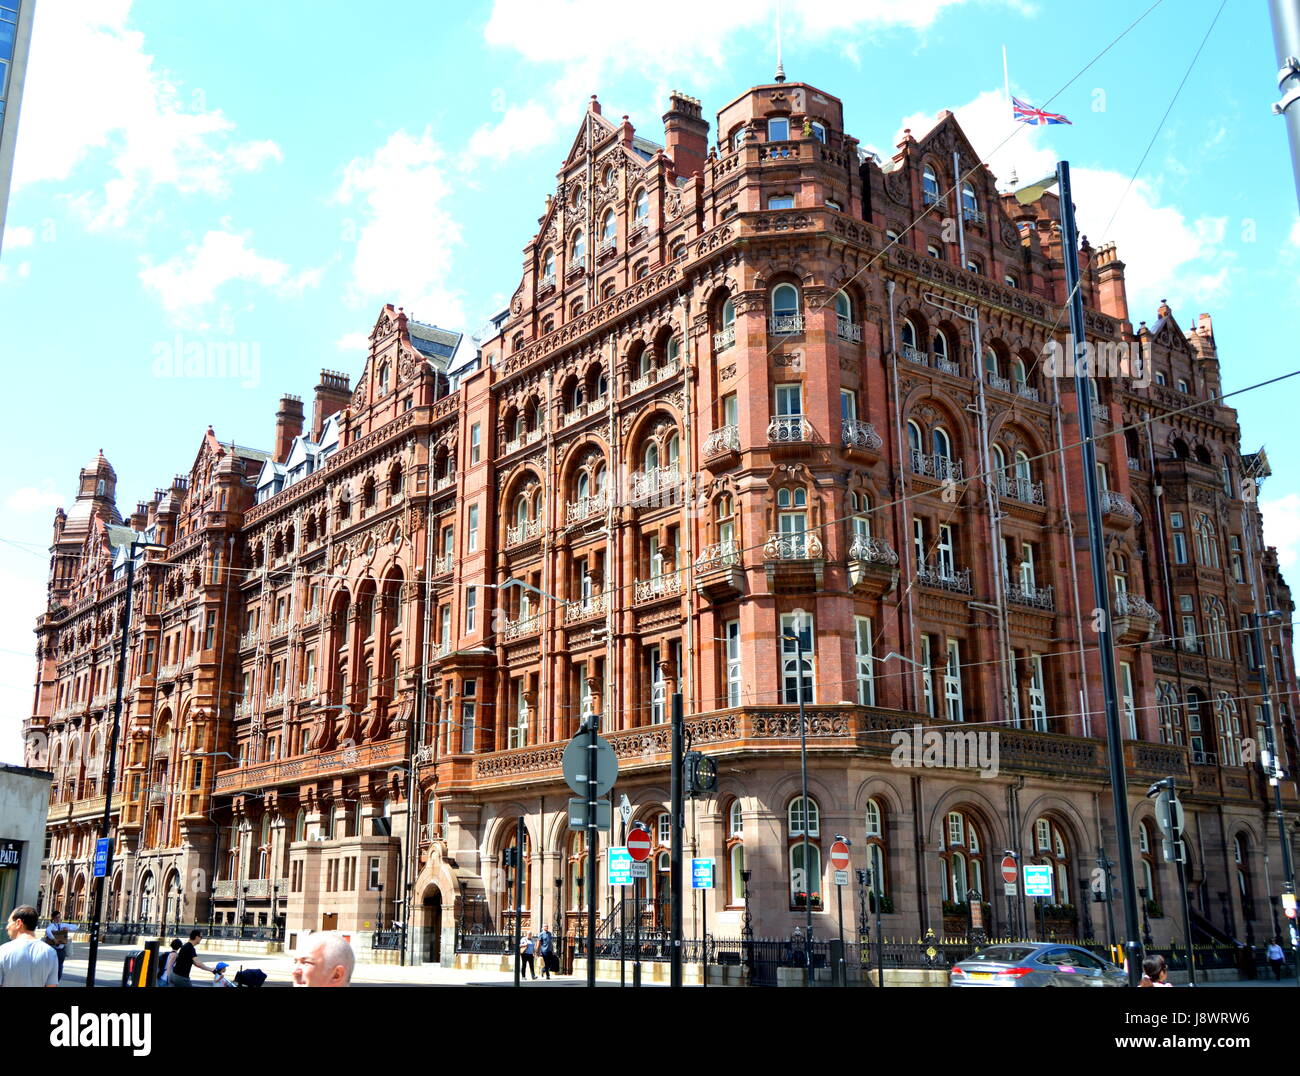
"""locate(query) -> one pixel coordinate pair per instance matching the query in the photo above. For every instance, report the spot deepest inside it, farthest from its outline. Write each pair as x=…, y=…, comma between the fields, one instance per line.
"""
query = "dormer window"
x=641, y=207
x=778, y=130
x=548, y=263
x=929, y=185
x=383, y=379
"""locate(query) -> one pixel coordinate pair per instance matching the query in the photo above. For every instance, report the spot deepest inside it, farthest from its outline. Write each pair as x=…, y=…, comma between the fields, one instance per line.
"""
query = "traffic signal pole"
x=675, y=853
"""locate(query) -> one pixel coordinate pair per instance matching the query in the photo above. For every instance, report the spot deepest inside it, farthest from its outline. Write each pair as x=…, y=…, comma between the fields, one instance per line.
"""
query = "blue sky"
x=266, y=175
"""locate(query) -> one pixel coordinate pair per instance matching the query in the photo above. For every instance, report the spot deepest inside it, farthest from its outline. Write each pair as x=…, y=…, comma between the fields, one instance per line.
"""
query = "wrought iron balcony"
x=442, y=565
x=848, y=330
x=584, y=410
x=310, y=616
x=442, y=649
x=785, y=324
x=871, y=550
x=607, y=243
x=658, y=483
x=280, y=627
x=945, y=577
x=523, y=532
x=307, y=687
x=243, y=709
x=585, y=608
x=724, y=338
x=547, y=281
x=1134, y=464
x=659, y=586
x=972, y=215
x=1002, y=384
x=444, y=482
x=526, y=438
x=249, y=639
x=724, y=439
x=1127, y=604
x=789, y=429
x=947, y=366
x=169, y=672
x=937, y=467
x=654, y=375
x=586, y=507
x=1115, y=505
x=1022, y=593
x=718, y=556
x=520, y=626
x=801, y=545
x=858, y=434
x=1027, y=392
x=1019, y=489
x=915, y=355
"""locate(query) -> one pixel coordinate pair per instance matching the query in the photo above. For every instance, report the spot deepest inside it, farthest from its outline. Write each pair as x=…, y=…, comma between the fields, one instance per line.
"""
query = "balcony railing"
x=1127, y=604
x=1020, y=489
x=586, y=507
x=938, y=467
x=162, y=745
x=280, y=627
x=547, y=281
x=307, y=687
x=193, y=659
x=724, y=439
x=785, y=324
x=1113, y=504
x=724, y=338
x=657, y=483
x=1204, y=758
x=608, y=243
x=789, y=429
x=585, y=608
x=275, y=698
x=1002, y=384
x=523, y=626
x=444, y=481
x=947, y=366
x=1023, y=593
x=168, y=672
x=717, y=556
x=243, y=709
x=1134, y=464
x=858, y=434
x=915, y=355
x=972, y=215
x=249, y=639
x=945, y=577
x=658, y=586
x=443, y=565
x=848, y=330
x=872, y=550
x=526, y=438
x=442, y=649
x=310, y=616
x=585, y=410
x=654, y=375
x=523, y=532
x=1027, y=392
x=801, y=545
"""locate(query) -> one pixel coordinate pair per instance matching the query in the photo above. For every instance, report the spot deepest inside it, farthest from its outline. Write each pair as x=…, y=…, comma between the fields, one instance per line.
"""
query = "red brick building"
x=738, y=391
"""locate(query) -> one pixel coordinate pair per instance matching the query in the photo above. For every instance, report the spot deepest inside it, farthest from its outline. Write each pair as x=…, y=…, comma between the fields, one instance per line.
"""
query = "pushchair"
x=250, y=977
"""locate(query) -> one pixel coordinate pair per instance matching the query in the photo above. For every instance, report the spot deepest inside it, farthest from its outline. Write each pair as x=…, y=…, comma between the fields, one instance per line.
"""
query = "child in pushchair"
x=245, y=977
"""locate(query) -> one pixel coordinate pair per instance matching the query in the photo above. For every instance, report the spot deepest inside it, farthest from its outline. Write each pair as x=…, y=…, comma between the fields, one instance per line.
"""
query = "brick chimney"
x=686, y=135
x=1112, y=294
x=288, y=425
x=332, y=395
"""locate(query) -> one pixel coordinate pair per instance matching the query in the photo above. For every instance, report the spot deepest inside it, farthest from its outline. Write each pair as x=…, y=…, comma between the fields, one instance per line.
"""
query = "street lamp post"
x=136, y=547
x=1097, y=550
x=797, y=638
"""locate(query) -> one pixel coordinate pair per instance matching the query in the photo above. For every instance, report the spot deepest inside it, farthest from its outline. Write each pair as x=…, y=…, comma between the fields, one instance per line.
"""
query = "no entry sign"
x=1009, y=871
x=840, y=856
x=638, y=845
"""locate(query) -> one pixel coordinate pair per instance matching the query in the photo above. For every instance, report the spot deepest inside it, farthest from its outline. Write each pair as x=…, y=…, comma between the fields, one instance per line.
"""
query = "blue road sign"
x=702, y=873
x=1038, y=879
x=620, y=867
x=101, y=856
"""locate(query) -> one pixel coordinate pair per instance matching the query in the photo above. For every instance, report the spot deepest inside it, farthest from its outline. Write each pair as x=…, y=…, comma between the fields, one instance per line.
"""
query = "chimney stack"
x=333, y=393
x=288, y=425
x=686, y=135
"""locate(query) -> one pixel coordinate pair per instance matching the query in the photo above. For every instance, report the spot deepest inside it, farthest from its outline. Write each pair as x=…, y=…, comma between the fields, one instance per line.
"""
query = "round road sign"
x=840, y=856
x=1009, y=872
x=638, y=845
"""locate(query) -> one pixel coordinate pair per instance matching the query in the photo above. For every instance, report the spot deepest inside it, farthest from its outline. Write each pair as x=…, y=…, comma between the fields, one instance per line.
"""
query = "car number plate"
x=979, y=975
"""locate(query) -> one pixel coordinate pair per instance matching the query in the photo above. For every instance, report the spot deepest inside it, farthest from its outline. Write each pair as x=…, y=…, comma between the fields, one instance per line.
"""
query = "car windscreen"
x=1009, y=954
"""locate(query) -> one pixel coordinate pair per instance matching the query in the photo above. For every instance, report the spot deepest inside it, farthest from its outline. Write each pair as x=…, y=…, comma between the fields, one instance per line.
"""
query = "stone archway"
x=429, y=926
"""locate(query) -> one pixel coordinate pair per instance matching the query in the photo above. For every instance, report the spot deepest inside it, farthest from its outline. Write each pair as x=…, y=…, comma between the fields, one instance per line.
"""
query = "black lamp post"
x=797, y=638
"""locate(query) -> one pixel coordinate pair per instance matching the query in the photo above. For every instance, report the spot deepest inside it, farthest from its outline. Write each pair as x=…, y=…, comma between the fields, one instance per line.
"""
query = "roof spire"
x=780, y=70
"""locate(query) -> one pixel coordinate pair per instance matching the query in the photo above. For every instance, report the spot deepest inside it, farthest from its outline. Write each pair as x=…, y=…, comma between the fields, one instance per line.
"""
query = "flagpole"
x=1006, y=78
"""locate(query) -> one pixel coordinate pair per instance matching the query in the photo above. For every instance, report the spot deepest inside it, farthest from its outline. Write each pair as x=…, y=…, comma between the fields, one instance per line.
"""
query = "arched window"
x=383, y=379
x=929, y=185
x=548, y=265
x=735, y=854
x=876, y=854
x=942, y=443
x=968, y=205
x=1146, y=849
x=785, y=301
x=578, y=248
x=1169, y=712
x=673, y=352
x=1207, y=543
x=961, y=857
x=1052, y=848
x=1019, y=379
x=908, y=334
x=641, y=206
x=860, y=513
x=843, y=306
x=1229, y=730
x=805, y=876
x=521, y=509
x=1024, y=471
x=650, y=460
x=608, y=227
x=674, y=448
x=940, y=345
x=1241, y=867
x=990, y=362
x=914, y=439
x=818, y=131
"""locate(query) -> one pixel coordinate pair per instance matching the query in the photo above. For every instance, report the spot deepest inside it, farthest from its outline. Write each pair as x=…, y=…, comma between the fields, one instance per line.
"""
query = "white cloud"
x=520, y=129
x=188, y=281
x=406, y=234
x=1166, y=255
x=1282, y=528
x=16, y=235
x=23, y=583
x=93, y=92
x=353, y=342
x=1295, y=233
x=29, y=499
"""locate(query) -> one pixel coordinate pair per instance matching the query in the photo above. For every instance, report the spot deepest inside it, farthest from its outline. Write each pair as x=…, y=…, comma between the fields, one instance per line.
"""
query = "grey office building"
x=15, y=39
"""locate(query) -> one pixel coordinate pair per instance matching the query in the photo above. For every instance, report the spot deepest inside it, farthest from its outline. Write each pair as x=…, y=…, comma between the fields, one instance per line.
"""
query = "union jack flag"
x=1036, y=116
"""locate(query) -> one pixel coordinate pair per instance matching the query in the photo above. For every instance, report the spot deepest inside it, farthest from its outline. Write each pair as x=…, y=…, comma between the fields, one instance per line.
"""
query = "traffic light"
x=699, y=772
x=510, y=857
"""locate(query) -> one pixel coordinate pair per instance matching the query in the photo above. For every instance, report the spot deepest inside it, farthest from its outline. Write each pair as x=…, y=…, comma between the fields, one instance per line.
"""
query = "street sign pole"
x=839, y=901
x=622, y=917
x=519, y=892
x=592, y=866
x=1169, y=816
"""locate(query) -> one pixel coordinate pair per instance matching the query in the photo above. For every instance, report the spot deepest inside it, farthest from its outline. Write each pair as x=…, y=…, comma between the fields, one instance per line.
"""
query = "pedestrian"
x=25, y=960
x=324, y=958
x=56, y=936
x=1154, y=972
x=1276, y=957
x=187, y=958
x=527, y=953
x=167, y=965
x=546, y=947
x=219, y=975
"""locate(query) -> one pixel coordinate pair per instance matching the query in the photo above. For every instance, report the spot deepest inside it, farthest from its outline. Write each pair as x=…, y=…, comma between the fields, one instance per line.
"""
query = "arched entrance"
x=147, y=898
x=431, y=925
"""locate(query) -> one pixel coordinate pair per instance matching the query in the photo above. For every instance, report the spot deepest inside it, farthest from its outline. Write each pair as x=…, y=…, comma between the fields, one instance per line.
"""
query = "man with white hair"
x=324, y=958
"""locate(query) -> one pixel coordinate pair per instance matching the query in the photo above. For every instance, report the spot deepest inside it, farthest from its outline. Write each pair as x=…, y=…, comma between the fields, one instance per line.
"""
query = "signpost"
x=101, y=857
x=638, y=845
x=702, y=878
x=1169, y=814
x=620, y=867
x=840, y=861
x=1038, y=884
x=590, y=769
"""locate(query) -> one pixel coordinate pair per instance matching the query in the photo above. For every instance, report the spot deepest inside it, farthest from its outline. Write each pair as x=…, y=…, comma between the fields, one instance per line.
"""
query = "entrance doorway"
x=432, y=926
